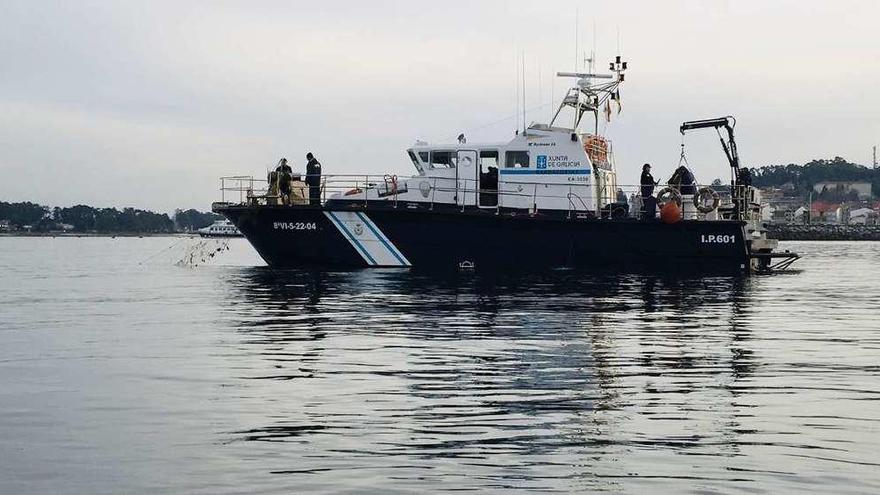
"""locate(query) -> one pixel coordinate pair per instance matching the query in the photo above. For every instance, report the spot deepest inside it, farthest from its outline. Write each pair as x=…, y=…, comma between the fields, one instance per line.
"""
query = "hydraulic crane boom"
x=728, y=123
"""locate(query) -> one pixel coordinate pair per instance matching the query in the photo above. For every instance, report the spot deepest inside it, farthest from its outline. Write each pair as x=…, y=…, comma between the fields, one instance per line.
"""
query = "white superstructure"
x=544, y=167
x=220, y=228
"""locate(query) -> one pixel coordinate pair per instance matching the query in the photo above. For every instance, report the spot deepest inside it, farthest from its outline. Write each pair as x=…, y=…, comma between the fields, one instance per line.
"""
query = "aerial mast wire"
x=524, y=89
x=540, y=94
x=516, y=93
x=576, y=55
x=577, y=13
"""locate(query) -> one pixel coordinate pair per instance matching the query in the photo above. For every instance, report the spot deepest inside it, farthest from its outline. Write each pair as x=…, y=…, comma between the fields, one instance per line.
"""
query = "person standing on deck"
x=313, y=179
x=283, y=176
x=647, y=181
x=649, y=203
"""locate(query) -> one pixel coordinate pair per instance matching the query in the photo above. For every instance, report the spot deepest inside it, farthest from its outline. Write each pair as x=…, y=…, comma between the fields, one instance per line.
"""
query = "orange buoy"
x=670, y=213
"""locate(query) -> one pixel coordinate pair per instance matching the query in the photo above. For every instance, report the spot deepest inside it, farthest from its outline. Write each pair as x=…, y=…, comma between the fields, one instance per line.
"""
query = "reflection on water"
x=555, y=382
x=122, y=378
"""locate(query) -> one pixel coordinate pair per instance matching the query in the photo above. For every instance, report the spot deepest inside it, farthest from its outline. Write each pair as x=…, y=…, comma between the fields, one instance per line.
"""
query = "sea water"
x=121, y=372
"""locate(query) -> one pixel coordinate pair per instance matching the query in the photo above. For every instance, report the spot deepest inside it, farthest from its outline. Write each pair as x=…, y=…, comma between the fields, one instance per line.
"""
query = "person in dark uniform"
x=313, y=179
x=489, y=187
x=649, y=203
x=647, y=181
x=683, y=180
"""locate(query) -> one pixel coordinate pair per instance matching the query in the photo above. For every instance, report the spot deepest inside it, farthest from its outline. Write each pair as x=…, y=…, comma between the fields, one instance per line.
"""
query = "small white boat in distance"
x=220, y=228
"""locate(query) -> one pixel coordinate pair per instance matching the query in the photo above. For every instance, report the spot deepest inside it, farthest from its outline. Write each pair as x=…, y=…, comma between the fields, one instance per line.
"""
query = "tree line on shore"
x=802, y=178
x=83, y=218
x=799, y=179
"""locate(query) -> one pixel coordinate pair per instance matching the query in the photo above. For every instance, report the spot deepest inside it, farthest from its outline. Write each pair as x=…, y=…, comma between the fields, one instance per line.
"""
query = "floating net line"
x=189, y=252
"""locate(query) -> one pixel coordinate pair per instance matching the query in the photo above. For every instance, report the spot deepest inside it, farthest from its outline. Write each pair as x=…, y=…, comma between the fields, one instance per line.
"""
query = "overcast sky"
x=146, y=104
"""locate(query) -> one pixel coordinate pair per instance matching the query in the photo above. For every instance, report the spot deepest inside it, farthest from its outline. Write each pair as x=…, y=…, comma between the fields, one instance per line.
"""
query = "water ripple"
x=243, y=379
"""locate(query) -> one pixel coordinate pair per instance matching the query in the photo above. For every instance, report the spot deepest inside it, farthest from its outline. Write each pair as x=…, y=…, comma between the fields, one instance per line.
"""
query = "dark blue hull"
x=351, y=236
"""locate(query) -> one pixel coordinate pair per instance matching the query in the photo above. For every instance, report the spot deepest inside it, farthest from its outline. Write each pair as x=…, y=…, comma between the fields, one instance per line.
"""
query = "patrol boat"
x=548, y=198
x=220, y=228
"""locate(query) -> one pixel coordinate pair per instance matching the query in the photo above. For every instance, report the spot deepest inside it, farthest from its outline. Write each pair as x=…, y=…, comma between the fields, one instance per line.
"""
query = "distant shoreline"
x=823, y=232
x=98, y=234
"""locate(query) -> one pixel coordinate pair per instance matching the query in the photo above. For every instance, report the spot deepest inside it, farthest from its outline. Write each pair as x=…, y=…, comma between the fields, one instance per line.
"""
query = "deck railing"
x=249, y=190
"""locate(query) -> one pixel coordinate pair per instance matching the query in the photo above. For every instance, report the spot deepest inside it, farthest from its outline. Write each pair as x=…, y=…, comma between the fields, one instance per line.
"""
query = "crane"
x=729, y=146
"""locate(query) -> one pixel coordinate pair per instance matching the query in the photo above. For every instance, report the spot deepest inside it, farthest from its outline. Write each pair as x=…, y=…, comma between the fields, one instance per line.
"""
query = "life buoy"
x=704, y=194
x=668, y=194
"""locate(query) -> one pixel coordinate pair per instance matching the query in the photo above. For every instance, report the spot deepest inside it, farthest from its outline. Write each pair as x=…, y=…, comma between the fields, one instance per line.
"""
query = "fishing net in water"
x=202, y=251
x=189, y=252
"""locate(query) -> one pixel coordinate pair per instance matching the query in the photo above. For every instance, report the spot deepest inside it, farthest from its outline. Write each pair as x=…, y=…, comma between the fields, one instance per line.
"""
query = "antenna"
x=875, y=156
x=618, y=39
x=577, y=13
x=593, y=51
x=540, y=95
x=516, y=91
x=524, y=90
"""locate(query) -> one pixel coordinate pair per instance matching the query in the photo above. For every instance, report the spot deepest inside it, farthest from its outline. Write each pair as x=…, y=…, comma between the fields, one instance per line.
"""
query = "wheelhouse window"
x=516, y=159
x=443, y=159
x=423, y=155
x=416, y=163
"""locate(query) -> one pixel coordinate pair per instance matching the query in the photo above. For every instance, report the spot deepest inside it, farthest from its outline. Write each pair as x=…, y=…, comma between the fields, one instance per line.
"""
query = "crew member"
x=283, y=175
x=313, y=179
x=489, y=187
x=647, y=181
x=649, y=203
x=283, y=166
x=683, y=180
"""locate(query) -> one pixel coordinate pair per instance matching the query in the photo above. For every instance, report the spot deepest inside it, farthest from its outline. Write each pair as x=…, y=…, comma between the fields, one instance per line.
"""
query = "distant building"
x=776, y=207
x=824, y=212
x=5, y=226
x=772, y=194
x=863, y=216
x=863, y=189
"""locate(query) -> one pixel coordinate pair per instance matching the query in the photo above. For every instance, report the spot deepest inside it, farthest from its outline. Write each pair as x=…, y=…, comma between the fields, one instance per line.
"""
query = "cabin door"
x=466, y=172
x=487, y=179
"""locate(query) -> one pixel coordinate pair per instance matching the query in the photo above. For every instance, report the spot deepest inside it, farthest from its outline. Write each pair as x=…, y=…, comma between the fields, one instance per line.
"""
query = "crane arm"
x=728, y=123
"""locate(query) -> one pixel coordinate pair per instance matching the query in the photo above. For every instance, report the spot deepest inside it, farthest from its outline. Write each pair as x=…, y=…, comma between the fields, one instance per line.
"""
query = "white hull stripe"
x=367, y=239
x=358, y=246
x=385, y=241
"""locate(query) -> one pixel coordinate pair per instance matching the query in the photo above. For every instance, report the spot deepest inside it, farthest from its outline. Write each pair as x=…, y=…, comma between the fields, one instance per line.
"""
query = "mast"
x=590, y=96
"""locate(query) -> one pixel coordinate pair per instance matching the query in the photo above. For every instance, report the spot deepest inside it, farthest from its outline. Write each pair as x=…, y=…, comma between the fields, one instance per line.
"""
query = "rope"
x=683, y=158
x=163, y=250
x=198, y=253
x=468, y=130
